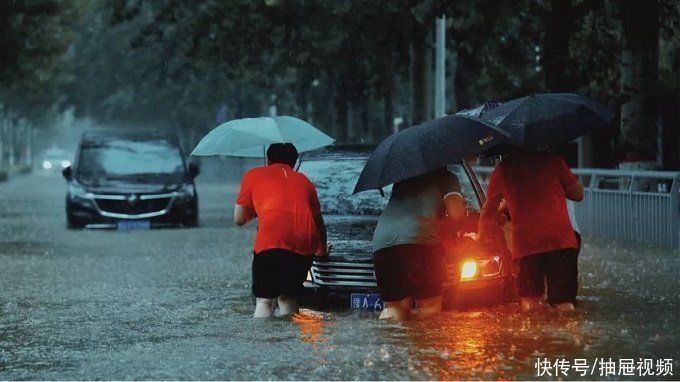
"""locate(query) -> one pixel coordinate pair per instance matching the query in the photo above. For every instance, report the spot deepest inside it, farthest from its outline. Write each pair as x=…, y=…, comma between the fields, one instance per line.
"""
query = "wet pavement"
x=176, y=304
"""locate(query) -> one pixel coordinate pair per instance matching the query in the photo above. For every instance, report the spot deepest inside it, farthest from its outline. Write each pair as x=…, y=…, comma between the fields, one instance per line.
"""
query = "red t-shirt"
x=533, y=186
x=285, y=202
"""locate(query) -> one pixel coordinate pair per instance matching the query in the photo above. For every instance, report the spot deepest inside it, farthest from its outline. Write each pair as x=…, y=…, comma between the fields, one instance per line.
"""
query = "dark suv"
x=346, y=277
x=130, y=181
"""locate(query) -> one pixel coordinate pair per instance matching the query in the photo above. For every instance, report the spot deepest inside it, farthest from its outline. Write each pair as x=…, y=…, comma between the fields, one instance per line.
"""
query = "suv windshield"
x=54, y=154
x=114, y=159
x=335, y=180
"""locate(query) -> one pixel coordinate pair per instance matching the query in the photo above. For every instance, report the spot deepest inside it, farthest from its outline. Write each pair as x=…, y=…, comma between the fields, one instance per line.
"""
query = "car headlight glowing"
x=468, y=269
x=65, y=163
x=480, y=268
x=47, y=165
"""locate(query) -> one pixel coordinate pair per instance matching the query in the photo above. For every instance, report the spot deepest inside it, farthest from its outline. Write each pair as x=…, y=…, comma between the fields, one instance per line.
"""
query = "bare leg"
x=287, y=306
x=264, y=307
x=428, y=306
x=399, y=310
x=530, y=303
x=565, y=307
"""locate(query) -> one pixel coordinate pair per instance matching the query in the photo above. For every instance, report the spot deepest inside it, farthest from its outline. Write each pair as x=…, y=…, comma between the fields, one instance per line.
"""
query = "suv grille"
x=350, y=274
x=359, y=274
x=137, y=207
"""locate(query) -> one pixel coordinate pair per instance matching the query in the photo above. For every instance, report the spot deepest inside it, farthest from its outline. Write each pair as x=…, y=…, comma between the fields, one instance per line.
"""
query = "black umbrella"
x=426, y=147
x=544, y=120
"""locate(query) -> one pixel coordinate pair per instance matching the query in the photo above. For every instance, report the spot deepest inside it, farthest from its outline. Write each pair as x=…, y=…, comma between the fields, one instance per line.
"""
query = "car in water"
x=54, y=159
x=130, y=181
x=475, y=276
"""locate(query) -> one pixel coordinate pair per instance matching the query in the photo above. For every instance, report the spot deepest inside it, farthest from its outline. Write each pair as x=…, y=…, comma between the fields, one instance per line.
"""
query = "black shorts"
x=409, y=270
x=556, y=269
x=279, y=272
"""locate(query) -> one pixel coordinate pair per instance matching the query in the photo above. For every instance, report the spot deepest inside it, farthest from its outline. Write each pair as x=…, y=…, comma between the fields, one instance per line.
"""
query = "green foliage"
x=34, y=39
x=174, y=63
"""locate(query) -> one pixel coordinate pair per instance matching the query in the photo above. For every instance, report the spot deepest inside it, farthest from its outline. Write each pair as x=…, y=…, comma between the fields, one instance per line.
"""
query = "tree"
x=639, y=76
x=35, y=37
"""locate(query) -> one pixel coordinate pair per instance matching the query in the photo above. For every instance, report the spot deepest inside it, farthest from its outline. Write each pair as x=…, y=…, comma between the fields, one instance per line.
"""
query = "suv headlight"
x=77, y=192
x=472, y=269
x=187, y=191
x=468, y=270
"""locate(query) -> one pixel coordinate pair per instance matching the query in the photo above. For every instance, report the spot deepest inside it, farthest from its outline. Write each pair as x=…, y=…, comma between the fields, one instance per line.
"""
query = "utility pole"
x=440, y=67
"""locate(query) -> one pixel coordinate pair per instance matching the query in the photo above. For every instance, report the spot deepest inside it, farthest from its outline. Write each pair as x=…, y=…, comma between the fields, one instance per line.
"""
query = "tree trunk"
x=421, y=68
x=340, y=123
x=365, y=126
x=452, y=60
x=558, y=26
x=303, y=100
x=3, y=122
x=388, y=116
x=639, y=75
x=352, y=129
x=11, y=140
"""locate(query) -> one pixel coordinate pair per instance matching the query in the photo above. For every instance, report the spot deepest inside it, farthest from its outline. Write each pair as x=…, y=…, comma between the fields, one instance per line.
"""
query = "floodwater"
x=176, y=304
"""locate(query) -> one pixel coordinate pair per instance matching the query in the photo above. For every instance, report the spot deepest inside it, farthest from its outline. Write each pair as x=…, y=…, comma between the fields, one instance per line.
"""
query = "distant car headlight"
x=65, y=163
x=47, y=165
x=77, y=192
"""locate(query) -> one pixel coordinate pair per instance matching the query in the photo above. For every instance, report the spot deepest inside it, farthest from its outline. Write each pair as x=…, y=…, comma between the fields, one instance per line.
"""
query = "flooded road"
x=176, y=304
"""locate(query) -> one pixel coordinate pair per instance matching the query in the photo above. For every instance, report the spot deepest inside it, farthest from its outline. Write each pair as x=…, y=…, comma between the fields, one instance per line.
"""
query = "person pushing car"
x=290, y=231
x=536, y=186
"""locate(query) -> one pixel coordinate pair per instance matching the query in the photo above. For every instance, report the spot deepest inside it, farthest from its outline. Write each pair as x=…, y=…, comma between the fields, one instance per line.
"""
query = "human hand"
x=325, y=251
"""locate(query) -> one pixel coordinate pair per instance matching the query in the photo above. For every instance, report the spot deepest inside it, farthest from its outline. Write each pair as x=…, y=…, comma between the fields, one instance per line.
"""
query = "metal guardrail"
x=634, y=206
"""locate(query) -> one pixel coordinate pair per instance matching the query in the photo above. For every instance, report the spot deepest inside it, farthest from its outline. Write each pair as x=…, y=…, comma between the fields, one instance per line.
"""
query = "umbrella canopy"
x=550, y=119
x=248, y=137
x=426, y=147
x=477, y=111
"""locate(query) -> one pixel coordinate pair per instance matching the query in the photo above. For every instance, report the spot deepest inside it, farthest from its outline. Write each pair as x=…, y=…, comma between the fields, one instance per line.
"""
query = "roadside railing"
x=634, y=206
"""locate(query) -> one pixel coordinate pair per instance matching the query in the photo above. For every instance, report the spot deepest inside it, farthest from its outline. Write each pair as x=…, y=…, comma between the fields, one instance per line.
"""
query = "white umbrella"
x=249, y=137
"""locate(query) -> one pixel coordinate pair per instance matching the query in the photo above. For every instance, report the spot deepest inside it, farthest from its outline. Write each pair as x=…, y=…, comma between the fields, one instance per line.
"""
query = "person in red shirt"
x=290, y=229
x=535, y=186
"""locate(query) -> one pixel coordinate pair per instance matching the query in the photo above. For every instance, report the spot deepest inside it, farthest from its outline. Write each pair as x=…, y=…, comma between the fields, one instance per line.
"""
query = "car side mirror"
x=194, y=170
x=67, y=172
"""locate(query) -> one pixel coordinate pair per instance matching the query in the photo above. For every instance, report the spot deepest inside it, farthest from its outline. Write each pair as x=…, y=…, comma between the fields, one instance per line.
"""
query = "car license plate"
x=367, y=301
x=131, y=225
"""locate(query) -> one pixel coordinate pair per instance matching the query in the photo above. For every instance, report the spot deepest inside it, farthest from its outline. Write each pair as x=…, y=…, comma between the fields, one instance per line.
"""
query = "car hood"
x=351, y=237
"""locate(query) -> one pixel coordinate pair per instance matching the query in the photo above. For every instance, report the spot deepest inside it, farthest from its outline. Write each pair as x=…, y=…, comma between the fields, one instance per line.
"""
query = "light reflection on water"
x=493, y=343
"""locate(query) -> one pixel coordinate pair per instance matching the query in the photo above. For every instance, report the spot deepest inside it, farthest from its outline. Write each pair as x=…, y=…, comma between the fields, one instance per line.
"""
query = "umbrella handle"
x=297, y=167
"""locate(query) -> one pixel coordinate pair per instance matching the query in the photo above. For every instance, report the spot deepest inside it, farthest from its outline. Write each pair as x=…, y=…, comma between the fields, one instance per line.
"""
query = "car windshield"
x=335, y=180
x=147, y=160
x=55, y=154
